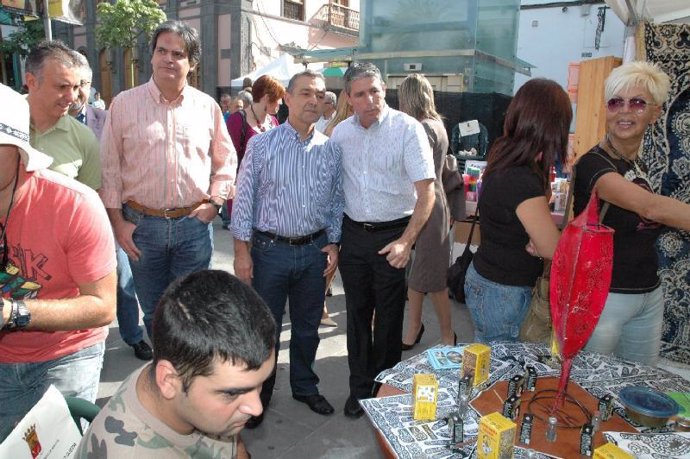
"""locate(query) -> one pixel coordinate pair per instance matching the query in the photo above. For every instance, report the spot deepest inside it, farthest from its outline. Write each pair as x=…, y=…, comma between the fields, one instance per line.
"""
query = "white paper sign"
x=469, y=128
x=47, y=431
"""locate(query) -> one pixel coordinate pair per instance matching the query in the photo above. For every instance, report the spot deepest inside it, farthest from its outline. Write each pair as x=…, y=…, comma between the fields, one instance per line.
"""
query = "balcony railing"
x=339, y=16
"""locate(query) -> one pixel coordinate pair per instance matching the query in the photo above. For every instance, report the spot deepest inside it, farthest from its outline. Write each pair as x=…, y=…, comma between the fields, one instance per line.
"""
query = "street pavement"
x=290, y=430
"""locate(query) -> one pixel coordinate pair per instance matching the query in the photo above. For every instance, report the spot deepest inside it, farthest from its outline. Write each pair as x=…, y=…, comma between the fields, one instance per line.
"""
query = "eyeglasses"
x=635, y=104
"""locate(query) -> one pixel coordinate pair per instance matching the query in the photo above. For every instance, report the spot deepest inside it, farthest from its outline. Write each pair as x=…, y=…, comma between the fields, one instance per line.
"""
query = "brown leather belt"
x=177, y=212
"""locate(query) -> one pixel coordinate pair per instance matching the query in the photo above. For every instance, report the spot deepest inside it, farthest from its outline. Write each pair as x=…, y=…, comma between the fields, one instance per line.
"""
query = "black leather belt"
x=293, y=240
x=374, y=227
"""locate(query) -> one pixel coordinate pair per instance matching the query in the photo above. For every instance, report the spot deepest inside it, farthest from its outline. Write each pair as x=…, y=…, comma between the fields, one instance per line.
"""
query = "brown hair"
x=416, y=98
x=537, y=121
x=267, y=85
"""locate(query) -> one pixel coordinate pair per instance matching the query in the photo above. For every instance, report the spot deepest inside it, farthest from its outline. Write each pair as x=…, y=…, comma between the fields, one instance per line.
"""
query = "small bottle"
x=596, y=421
x=551, y=429
x=463, y=403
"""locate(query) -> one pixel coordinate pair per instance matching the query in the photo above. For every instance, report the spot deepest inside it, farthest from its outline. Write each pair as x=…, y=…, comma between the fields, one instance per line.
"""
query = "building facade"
x=237, y=36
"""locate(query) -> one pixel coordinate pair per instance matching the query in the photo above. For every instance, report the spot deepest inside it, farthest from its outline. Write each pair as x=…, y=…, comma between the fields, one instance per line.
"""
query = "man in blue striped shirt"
x=286, y=220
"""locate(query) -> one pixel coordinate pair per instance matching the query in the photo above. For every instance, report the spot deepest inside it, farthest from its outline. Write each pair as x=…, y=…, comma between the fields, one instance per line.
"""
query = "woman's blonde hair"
x=416, y=97
x=638, y=73
x=342, y=112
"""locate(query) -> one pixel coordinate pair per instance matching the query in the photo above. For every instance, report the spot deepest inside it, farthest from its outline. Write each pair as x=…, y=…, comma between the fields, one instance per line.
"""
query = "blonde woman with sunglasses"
x=630, y=325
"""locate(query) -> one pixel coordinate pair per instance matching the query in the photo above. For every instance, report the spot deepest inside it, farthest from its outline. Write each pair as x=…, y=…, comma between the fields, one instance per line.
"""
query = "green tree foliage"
x=24, y=39
x=123, y=22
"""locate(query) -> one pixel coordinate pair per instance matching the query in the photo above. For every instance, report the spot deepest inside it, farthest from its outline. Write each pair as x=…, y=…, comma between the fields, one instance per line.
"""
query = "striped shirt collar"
x=158, y=97
x=292, y=131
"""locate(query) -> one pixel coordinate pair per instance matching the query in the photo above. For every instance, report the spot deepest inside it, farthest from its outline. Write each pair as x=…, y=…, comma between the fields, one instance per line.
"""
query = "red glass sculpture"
x=580, y=281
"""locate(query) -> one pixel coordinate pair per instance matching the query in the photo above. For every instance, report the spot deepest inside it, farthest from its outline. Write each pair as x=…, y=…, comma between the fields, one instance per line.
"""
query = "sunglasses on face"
x=635, y=104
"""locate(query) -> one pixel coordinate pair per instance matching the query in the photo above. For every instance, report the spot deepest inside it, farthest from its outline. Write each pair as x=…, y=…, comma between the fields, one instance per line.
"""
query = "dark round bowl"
x=648, y=407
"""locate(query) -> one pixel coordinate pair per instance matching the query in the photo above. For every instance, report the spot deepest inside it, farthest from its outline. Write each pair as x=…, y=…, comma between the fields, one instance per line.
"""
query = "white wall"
x=561, y=37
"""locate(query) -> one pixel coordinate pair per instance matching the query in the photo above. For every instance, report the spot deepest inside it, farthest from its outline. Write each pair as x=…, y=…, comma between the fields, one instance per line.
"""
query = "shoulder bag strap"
x=243, y=133
x=569, y=200
x=474, y=222
x=605, y=207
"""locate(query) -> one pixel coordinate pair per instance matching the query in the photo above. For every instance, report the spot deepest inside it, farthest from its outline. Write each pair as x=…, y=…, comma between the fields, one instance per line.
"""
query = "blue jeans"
x=630, y=327
x=23, y=384
x=127, y=304
x=225, y=214
x=497, y=310
x=293, y=273
x=170, y=248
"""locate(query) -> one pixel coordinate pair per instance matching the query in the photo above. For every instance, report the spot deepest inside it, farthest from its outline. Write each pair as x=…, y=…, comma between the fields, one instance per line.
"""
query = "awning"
x=334, y=72
x=282, y=68
x=634, y=11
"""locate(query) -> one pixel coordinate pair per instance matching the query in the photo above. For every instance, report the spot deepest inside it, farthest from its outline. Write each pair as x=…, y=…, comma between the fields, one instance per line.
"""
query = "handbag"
x=454, y=188
x=537, y=326
x=455, y=277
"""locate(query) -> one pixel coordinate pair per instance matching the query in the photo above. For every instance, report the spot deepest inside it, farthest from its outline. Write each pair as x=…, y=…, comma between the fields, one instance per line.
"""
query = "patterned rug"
x=667, y=155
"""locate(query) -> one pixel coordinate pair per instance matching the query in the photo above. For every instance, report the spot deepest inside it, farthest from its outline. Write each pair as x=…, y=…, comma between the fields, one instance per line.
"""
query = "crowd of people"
x=104, y=213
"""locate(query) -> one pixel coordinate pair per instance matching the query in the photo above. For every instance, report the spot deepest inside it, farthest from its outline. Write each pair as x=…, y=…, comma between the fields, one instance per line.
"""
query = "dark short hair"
x=208, y=316
x=360, y=70
x=308, y=73
x=50, y=49
x=537, y=121
x=266, y=84
x=192, y=43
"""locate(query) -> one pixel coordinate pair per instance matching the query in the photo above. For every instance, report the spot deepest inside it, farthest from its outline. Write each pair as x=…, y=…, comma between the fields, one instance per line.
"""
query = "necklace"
x=632, y=163
x=259, y=124
x=616, y=153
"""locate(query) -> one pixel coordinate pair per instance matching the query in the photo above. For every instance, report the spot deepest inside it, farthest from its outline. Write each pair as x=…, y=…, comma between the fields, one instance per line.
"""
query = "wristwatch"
x=20, y=317
x=213, y=200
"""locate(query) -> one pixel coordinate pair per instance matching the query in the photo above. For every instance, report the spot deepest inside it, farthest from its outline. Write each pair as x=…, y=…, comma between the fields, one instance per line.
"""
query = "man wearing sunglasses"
x=57, y=274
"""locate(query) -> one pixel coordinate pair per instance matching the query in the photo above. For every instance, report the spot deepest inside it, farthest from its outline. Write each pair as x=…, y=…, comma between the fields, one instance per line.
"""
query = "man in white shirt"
x=388, y=176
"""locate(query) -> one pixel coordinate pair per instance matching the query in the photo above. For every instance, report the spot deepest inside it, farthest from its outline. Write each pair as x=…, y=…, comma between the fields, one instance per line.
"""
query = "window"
x=345, y=3
x=293, y=9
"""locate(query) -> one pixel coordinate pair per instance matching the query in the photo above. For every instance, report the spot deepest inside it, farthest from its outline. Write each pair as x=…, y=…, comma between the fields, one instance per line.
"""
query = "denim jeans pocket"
x=262, y=244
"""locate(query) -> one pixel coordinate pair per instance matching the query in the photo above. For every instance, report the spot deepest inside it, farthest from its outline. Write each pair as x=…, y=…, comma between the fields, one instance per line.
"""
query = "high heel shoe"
x=407, y=347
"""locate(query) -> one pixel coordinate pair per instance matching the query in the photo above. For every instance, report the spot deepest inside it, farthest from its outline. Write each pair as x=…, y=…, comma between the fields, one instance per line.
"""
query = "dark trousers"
x=293, y=273
x=371, y=284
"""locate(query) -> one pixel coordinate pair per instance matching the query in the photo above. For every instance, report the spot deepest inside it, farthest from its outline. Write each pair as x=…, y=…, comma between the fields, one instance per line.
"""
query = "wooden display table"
x=568, y=438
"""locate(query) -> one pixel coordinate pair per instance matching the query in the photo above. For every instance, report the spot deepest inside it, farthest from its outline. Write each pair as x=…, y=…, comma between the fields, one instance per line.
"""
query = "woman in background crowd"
x=514, y=210
x=342, y=112
x=256, y=117
x=630, y=325
x=432, y=249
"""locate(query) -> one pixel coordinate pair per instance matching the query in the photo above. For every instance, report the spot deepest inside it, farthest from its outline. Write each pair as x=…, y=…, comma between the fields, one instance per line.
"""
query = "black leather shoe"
x=316, y=402
x=352, y=408
x=142, y=351
x=254, y=421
